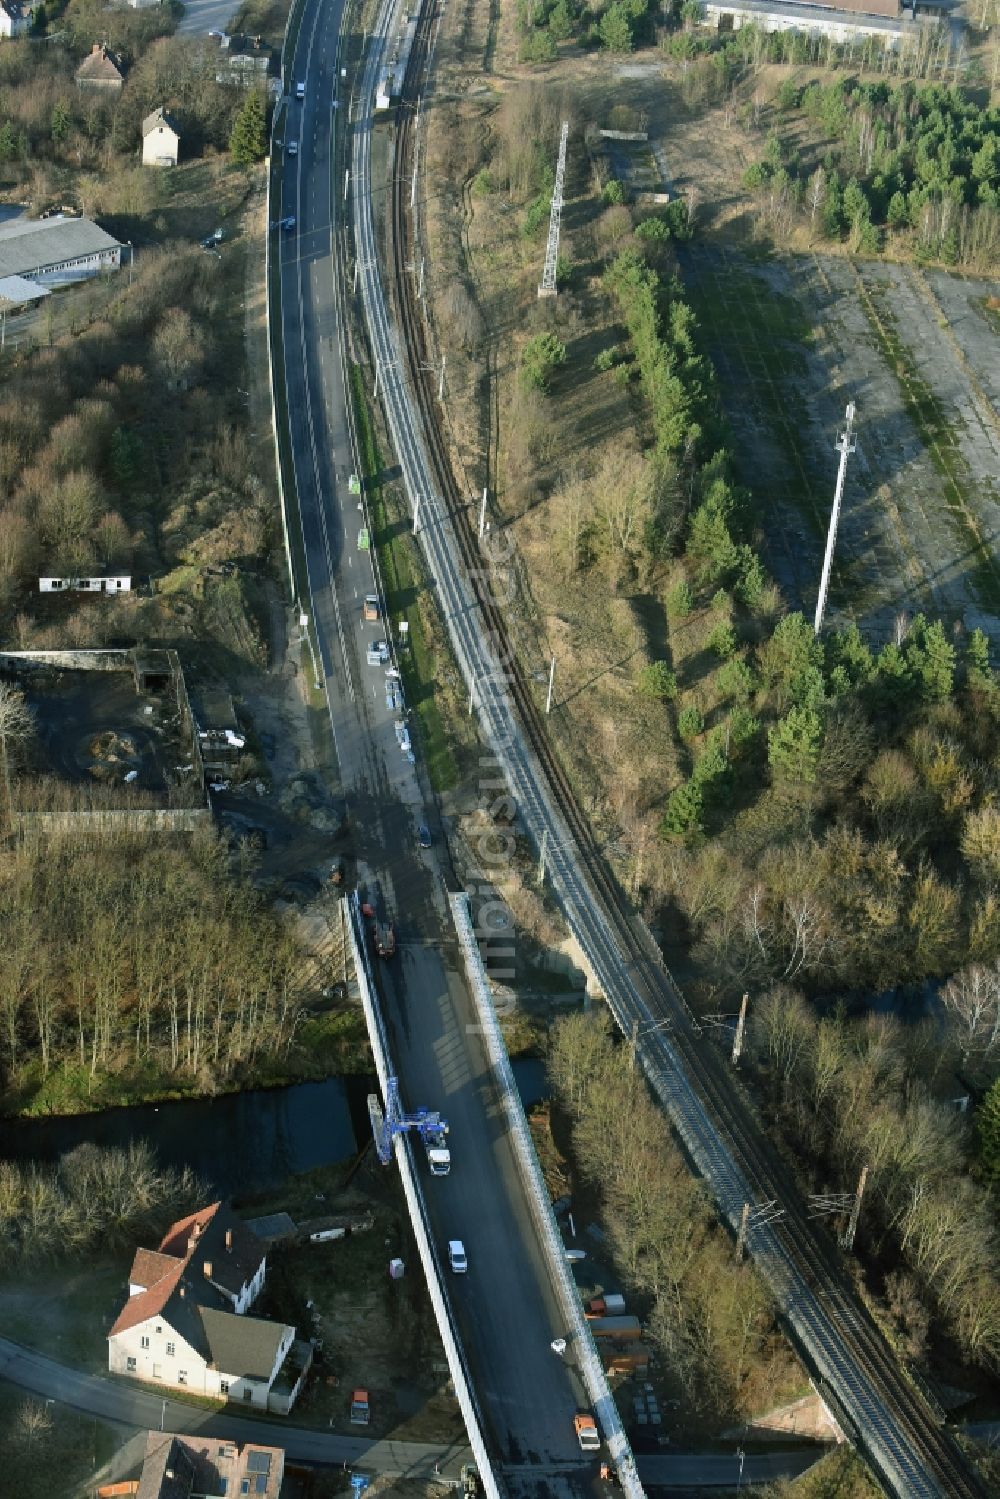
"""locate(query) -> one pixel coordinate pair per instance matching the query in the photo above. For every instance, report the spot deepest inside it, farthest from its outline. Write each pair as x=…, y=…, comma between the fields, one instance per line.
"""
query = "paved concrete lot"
x=202, y=16
x=793, y=340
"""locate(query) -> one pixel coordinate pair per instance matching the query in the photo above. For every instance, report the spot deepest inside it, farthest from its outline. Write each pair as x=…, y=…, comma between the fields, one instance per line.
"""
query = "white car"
x=300, y=91
x=292, y=148
x=456, y=1257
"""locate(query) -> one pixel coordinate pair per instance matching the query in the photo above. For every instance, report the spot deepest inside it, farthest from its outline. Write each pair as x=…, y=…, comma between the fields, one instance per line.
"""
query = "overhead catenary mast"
x=846, y=444
x=548, y=286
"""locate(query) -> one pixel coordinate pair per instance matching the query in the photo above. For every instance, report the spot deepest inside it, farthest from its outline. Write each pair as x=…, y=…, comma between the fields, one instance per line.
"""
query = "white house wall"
x=155, y=1366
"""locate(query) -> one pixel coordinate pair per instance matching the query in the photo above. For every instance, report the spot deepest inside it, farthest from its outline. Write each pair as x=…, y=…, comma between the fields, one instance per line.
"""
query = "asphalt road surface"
x=124, y=1405
x=505, y=1305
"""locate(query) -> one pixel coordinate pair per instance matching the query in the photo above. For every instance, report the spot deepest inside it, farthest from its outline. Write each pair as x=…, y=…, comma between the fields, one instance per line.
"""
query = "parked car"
x=456, y=1257
x=424, y=835
x=360, y=1410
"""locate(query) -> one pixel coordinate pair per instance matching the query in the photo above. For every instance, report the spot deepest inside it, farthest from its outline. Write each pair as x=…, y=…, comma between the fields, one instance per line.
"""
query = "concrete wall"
x=14, y=661
x=134, y=819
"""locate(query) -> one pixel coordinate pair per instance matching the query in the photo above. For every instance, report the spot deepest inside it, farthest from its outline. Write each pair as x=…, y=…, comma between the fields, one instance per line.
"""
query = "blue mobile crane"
x=391, y=1121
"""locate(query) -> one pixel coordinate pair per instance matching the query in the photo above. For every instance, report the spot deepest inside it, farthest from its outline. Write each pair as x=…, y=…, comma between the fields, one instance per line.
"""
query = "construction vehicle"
x=434, y=1132
x=360, y=1410
x=586, y=1431
x=372, y=613
x=469, y=1480
x=381, y=929
x=393, y=1121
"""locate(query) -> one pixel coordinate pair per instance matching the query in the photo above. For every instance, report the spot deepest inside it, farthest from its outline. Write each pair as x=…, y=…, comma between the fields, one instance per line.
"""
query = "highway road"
x=504, y=1305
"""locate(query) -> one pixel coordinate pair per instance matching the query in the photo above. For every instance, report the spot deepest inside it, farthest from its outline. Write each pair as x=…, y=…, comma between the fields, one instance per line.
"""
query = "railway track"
x=794, y=1250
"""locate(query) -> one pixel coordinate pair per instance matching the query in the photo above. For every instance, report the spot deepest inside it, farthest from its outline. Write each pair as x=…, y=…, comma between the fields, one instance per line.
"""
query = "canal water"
x=241, y=1142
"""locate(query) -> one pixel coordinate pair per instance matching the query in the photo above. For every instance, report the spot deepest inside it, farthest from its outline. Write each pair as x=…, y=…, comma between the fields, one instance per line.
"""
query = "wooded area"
x=710, y=1320
x=94, y=1197
x=139, y=955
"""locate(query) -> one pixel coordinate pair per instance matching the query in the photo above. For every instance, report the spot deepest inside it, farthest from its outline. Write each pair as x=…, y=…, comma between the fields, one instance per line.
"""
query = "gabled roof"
x=148, y=1303
x=100, y=66
x=168, y=1469
x=245, y=1346
x=149, y=1266
x=175, y=1240
x=156, y=119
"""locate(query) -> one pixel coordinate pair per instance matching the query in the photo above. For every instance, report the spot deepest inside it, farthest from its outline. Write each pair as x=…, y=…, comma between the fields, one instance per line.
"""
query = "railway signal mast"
x=846, y=444
x=548, y=287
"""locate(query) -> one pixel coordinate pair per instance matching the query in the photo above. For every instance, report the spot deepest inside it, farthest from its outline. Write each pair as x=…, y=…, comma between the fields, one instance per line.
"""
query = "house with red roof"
x=185, y=1325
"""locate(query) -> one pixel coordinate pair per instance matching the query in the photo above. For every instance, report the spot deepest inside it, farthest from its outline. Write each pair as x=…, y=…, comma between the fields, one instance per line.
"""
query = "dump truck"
x=360, y=1410
x=618, y=1329
x=586, y=1431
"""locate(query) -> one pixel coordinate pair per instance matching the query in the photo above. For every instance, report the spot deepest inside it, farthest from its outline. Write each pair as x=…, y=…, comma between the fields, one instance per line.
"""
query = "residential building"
x=161, y=139
x=56, y=250
x=100, y=71
x=185, y=1324
x=104, y=582
x=243, y=61
x=189, y=1467
x=15, y=19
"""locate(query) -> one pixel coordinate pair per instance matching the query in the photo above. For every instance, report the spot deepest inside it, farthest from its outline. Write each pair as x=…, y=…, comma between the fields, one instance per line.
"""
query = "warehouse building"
x=841, y=21
x=56, y=250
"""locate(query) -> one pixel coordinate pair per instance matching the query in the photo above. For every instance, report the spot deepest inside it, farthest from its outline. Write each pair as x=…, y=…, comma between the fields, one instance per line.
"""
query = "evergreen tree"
x=793, y=745
x=248, y=140
x=988, y=1132
x=60, y=121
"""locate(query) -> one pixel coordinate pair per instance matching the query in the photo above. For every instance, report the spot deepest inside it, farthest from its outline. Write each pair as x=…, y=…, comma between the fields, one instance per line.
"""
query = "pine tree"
x=248, y=140
x=988, y=1131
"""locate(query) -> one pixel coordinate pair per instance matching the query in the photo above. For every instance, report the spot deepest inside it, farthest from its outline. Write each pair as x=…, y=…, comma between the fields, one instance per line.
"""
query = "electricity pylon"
x=548, y=286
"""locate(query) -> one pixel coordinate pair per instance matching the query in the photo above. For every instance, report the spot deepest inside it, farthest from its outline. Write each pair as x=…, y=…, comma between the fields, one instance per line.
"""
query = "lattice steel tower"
x=548, y=286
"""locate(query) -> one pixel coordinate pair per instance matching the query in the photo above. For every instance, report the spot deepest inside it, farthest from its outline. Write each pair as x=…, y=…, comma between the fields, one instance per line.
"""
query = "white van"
x=456, y=1257
x=300, y=91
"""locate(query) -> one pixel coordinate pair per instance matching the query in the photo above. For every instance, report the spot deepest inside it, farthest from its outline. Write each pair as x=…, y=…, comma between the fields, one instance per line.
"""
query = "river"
x=240, y=1142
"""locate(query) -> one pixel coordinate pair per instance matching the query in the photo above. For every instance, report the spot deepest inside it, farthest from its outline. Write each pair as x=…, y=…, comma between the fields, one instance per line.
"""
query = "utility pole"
x=740, y=1025
x=482, y=517
x=852, y=1226
x=347, y=178
x=741, y=1237
x=552, y=679
x=420, y=283
x=548, y=286
x=845, y=445
x=416, y=515
x=634, y=1043
x=416, y=162
x=441, y=383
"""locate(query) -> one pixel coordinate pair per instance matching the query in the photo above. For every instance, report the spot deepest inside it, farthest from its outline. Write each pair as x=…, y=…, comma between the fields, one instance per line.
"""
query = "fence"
x=418, y=1214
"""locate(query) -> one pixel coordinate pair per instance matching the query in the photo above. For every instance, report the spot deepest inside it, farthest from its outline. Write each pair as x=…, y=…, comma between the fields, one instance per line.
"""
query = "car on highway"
x=424, y=835
x=457, y=1257
x=371, y=612
x=300, y=91
x=288, y=222
x=292, y=147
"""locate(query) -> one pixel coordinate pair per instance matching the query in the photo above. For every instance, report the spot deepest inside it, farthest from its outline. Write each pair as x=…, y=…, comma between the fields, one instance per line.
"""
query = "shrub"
x=680, y=600
x=690, y=722
x=607, y=359
x=657, y=680
x=483, y=184
x=539, y=358
x=615, y=193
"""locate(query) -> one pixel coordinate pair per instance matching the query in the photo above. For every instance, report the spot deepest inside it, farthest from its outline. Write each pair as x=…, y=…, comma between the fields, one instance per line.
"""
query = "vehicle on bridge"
x=434, y=1134
x=371, y=612
x=381, y=928
x=586, y=1431
x=457, y=1258
x=360, y=1410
